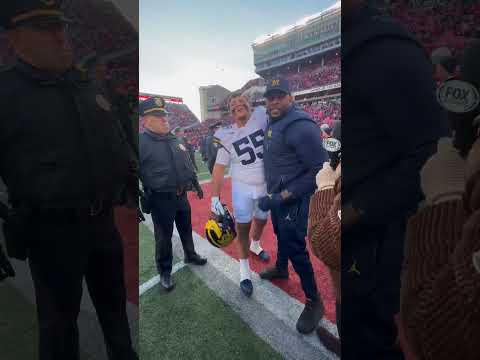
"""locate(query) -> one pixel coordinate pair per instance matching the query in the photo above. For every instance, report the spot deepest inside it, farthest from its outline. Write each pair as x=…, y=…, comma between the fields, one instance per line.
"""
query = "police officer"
x=167, y=174
x=293, y=155
x=388, y=79
x=65, y=165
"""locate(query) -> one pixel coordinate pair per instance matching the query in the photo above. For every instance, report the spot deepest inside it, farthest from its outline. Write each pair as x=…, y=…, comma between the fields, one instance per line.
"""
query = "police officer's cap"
x=15, y=13
x=277, y=85
x=153, y=106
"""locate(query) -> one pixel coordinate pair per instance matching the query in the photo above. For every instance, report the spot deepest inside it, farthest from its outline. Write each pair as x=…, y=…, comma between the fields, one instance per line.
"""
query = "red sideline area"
x=127, y=224
x=200, y=214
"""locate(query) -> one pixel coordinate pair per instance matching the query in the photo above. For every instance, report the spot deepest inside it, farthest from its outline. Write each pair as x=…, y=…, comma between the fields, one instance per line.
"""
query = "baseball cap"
x=277, y=85
x=31, y=12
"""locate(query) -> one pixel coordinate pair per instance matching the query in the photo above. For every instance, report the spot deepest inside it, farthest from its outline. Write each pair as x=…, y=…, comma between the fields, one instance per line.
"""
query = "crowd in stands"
x=324, y=111
x=445, y=23
x=311, y=75
x=96, y=28
x=180, y=115
x=195, y=134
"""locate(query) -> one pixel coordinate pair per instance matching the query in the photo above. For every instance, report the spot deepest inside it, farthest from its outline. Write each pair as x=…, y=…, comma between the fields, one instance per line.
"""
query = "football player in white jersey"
x=241, y=146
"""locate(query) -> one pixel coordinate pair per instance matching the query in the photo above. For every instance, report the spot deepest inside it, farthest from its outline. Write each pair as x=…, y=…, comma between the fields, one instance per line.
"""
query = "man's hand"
x=200, y=193
x=198, y=189
x=268, y=202
x=443, y=175
x=217, y=207
x=6, y=268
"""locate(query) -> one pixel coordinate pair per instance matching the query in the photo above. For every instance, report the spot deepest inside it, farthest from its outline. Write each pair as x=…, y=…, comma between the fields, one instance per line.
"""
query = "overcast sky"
x=185, y=44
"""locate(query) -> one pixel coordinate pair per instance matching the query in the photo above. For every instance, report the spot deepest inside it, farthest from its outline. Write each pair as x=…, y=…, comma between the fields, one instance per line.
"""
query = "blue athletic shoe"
x=247, y=287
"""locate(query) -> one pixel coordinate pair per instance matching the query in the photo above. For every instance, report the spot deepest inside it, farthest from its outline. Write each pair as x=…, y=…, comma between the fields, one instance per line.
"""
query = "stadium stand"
x=315, y=72
x=323, y=111
x=438, y=24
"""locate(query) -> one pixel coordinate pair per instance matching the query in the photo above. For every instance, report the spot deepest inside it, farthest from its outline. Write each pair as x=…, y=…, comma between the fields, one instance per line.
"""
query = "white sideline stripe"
x=156, y=279
x=271, y=313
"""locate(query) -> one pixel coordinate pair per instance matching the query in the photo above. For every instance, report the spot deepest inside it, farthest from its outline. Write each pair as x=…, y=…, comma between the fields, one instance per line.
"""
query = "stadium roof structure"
x=298, y=25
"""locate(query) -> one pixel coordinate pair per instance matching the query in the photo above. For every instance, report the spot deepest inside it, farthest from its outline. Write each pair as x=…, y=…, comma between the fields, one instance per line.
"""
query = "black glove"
x=268, y=202
x=198, y=189
x=6, y=268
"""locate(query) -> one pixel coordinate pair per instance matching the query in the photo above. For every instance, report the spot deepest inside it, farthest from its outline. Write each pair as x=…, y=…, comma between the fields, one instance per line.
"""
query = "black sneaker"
x=311, y=315
x=166, y=282
x=195, y=260
x=247, y=287
x=273, y=273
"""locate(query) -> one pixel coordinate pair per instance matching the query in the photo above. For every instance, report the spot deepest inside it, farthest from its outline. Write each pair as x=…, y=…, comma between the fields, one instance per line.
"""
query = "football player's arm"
x=304, y=138
x=410, y=98
x=212, y=153
x=221, y=162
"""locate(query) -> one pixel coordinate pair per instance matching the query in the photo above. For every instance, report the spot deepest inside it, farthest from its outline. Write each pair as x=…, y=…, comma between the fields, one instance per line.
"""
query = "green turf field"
x=203, y=173
x=191, y=322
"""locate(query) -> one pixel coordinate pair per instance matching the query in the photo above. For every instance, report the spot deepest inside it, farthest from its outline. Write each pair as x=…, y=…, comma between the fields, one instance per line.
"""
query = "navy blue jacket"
x=293, y=153
x=391, y=116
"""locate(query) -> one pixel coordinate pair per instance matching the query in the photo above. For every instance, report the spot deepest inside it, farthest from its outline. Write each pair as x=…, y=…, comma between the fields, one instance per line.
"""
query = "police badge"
x=183, y=148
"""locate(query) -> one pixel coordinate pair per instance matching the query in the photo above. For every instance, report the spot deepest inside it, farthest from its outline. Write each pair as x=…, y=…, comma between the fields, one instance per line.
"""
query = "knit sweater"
x=325, y=226
x=440, y=296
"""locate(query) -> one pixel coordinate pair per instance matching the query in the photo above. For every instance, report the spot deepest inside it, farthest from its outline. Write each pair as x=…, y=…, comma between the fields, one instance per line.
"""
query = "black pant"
x=371, y=266
x=168, y=208
x=290, y=227
x=62, y=252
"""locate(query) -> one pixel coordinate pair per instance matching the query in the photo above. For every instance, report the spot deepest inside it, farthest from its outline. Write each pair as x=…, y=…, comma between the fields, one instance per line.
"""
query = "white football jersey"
x=242, y=148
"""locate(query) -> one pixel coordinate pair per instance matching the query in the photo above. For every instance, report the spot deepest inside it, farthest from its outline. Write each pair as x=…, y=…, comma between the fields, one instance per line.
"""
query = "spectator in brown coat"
x=324, y=232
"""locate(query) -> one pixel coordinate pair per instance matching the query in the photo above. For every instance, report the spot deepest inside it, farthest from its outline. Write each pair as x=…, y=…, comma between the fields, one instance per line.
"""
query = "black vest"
x=280, y=161
x=165, y=164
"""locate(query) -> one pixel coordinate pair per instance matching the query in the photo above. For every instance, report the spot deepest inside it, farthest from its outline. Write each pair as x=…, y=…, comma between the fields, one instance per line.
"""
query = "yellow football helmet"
x=220, y=233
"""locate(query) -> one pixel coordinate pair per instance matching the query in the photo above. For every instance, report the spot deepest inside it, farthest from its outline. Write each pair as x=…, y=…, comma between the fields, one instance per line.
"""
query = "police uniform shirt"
x=60, y=145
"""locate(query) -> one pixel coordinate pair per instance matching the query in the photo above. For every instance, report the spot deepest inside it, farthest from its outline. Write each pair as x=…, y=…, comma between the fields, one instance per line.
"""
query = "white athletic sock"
x=255, y=247
x=244, y=270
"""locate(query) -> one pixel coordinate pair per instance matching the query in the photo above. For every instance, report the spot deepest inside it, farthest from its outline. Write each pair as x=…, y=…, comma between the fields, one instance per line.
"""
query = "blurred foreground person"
x=66, y=165
x=389, y=78
x=324, y=226
x=440, y=298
